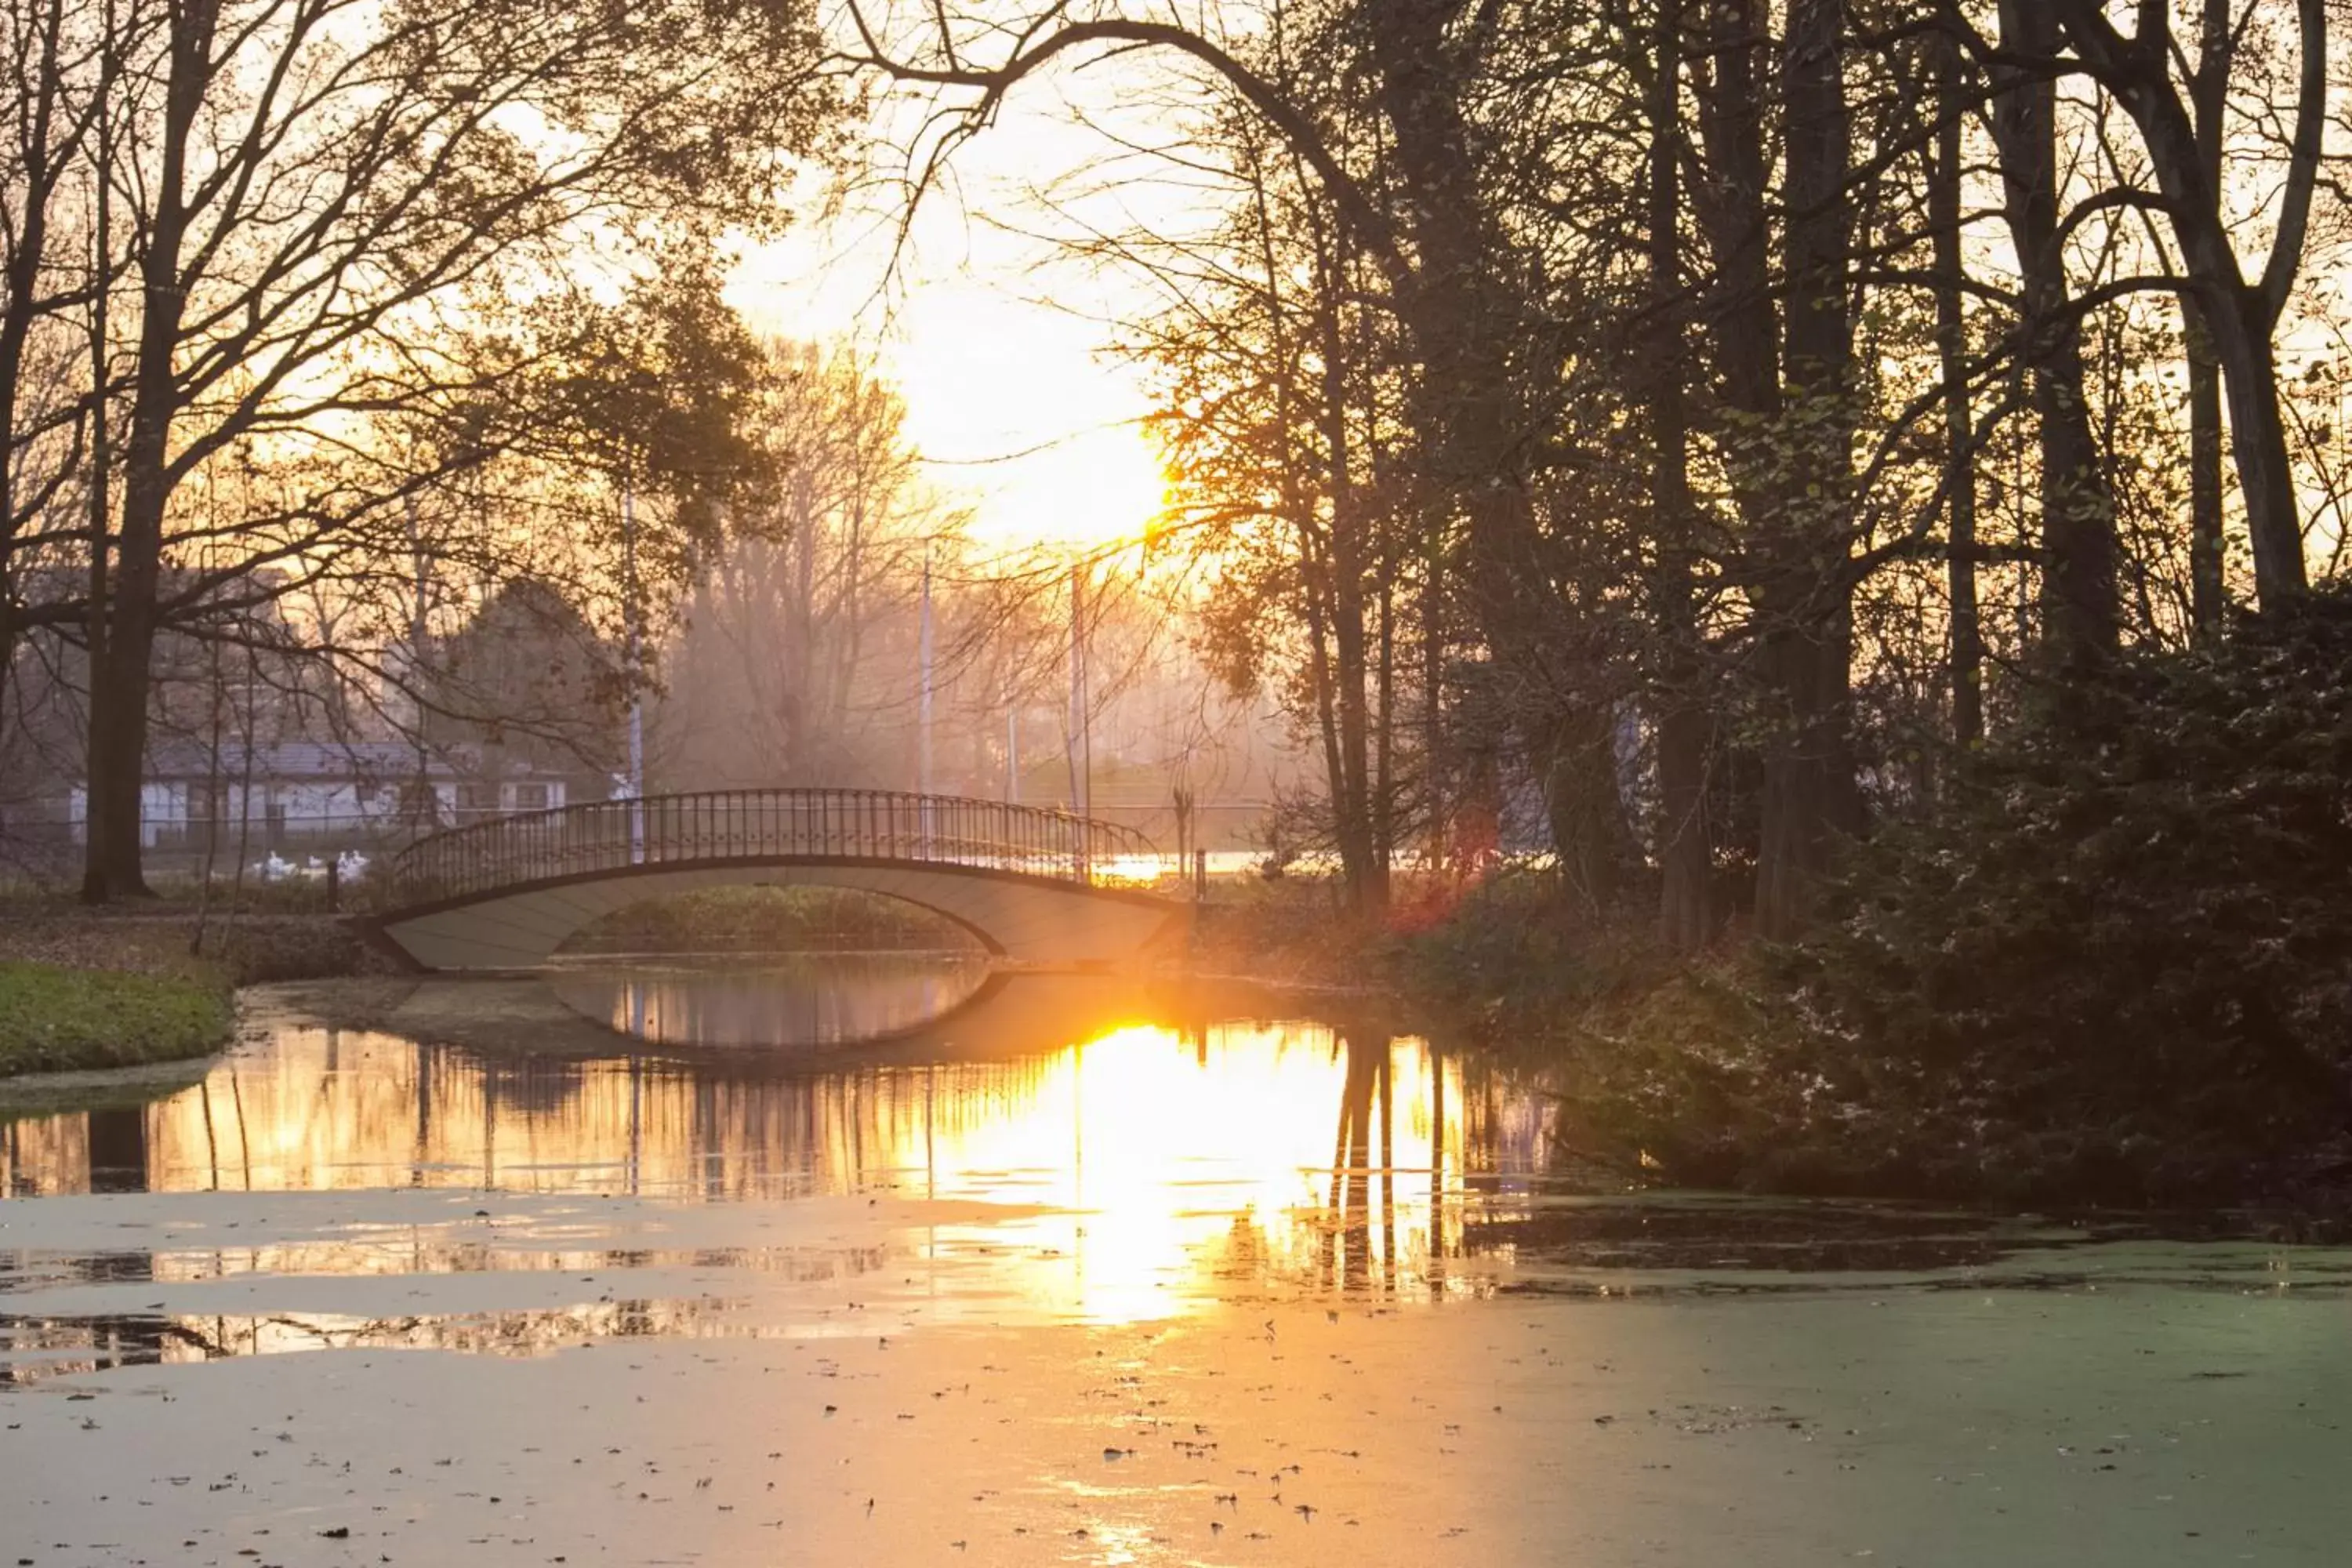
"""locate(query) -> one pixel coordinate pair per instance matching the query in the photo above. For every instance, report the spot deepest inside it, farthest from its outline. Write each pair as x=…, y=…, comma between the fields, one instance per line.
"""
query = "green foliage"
x=2120, y=962
x=1510, y=953
x=54, y=1019
x=659, y=391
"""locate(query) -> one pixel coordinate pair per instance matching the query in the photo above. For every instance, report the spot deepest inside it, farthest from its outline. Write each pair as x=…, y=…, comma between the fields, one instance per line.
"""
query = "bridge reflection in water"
x=1167, y=1167
x=824, y=1001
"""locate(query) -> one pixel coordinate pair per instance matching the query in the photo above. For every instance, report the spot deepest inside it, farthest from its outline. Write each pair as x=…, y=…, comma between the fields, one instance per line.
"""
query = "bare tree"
x=313, y=192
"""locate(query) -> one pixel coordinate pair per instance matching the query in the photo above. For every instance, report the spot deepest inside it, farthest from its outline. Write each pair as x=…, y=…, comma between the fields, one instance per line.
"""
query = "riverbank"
x=90, y=989
x=59, y=1019
x=1742, y=1069
x=758, y=920
x=161, y=937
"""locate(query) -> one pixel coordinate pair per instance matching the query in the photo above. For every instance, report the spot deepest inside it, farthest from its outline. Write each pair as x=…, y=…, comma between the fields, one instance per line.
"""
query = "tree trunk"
x=1740, y=315
x=2258, y=436
x=35, y=182
x=2241, y=316
x=1742, y=322
x=1384, y=737
x=2208, y=595
x=1463, y=404
x=1684, y=846
x=1945, y=217
x=1323, y=683
x=1384, y=541
x=1352, y=787
x=1804, y=590
x=102, y=447
x=120, y=682
x=2078, y=510
x=2208, y=585
x=1576, y=757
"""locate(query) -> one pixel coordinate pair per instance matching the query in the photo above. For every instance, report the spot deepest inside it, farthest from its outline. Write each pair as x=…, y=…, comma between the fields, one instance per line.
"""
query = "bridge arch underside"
x=1028, y=919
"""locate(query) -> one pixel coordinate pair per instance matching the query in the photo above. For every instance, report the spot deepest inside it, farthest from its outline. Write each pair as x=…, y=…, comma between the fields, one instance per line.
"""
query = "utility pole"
x=427, y=808
x=923, y=748
x=636, y=675
x=923, y=763
x=1082, y=756
x=1085, y=730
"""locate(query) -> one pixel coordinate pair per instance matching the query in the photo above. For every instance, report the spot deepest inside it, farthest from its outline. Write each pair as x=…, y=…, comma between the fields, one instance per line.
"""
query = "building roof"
x=370, y=761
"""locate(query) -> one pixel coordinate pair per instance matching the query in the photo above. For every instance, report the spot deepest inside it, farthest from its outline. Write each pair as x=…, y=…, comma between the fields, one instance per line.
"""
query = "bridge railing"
x=766, y=824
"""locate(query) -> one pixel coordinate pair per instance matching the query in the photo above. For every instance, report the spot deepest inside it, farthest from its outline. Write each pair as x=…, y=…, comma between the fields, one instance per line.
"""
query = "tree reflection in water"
x=1135, y=1173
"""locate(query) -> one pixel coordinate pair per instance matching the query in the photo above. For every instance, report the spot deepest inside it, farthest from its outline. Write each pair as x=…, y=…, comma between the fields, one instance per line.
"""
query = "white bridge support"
x=1031, y=886
x=1023, y=919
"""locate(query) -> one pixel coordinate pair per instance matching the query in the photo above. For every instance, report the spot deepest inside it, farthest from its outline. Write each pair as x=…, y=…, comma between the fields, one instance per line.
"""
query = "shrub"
x=2120, y=961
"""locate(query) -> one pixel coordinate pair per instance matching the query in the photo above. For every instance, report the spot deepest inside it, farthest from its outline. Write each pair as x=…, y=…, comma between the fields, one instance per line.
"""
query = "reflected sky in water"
x=816, y=1001
x=1126, y=1176
x=1067, y=1275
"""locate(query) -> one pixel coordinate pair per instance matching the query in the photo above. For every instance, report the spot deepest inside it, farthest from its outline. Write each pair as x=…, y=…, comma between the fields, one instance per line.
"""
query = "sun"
x=1013, y=404
x=1098, y=487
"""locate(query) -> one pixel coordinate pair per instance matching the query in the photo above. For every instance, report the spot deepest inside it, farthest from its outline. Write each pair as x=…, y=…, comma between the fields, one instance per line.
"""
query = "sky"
x=996, y=337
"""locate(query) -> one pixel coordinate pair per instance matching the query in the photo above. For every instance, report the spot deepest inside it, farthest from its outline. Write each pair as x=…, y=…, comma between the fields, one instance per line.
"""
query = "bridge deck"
x=768, y=823
x=1030, y=881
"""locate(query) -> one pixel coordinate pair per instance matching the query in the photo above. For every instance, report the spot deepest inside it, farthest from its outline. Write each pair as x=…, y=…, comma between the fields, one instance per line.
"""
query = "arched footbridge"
x=1029, y=883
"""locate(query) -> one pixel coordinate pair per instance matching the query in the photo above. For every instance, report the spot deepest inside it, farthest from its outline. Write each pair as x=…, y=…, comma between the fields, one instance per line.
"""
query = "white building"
x=345, y=790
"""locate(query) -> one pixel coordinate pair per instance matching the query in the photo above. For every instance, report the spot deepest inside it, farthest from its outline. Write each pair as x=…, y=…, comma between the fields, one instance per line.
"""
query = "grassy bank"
x=56, y=1019
x=159, y=937
x=771, y=920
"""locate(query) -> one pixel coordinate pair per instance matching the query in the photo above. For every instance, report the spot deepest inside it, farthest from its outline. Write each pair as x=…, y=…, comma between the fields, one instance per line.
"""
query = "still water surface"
x=866, y=1260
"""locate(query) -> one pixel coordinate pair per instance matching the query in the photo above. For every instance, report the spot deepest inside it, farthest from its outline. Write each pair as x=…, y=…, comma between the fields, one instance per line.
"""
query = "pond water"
x=905, y=1262
x=790, y=1003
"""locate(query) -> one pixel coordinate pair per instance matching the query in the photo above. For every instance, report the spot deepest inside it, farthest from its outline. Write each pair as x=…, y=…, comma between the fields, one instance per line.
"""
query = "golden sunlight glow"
x=996, y=337
x=1136, y=1172
x=1097, y=487
x=1129, y=870
x=1159, y=1162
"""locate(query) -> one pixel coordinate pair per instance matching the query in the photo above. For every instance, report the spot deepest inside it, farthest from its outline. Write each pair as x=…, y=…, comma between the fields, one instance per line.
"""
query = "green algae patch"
x=55, y=1019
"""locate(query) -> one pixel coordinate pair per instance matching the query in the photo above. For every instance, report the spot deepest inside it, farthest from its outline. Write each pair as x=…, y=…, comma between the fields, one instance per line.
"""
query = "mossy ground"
x=84, y=989
x=56, y=1019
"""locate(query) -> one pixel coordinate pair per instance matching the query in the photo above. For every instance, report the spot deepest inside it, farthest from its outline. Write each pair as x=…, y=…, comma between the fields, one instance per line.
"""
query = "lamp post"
x=1081, y=727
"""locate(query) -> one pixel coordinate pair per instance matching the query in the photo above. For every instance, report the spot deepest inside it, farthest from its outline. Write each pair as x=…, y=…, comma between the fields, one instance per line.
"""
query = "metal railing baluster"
x=736, y=824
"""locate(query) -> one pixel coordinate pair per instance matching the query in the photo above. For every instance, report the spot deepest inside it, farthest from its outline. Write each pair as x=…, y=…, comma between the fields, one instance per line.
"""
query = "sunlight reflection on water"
x=1105, y=1278
x=1125, y=1177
